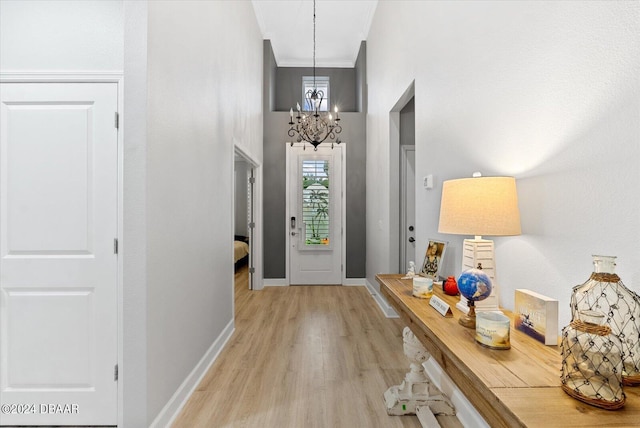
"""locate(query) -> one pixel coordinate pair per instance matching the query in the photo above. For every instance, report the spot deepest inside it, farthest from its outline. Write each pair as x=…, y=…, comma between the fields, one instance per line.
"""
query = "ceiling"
x=340, y=27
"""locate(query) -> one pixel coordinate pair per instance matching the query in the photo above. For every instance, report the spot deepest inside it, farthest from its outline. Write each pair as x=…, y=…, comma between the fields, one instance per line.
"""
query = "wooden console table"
x=519, y=387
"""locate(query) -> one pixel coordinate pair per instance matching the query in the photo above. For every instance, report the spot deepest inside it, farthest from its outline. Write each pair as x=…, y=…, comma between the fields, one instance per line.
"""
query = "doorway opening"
x=407, y=229
x=243, y=216
x=402, y=231
x=407, y=192
x=247, y=218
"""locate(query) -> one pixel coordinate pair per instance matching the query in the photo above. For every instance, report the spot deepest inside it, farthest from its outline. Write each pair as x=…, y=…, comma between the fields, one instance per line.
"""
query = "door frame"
x=97, y=77
x=393, y=260
x=403, y=204
x=255, y=256
x=343, y=211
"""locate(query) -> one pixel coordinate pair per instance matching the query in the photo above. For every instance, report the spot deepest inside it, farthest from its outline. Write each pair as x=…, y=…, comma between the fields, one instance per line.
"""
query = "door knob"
x=412, y=239
x=293, y=234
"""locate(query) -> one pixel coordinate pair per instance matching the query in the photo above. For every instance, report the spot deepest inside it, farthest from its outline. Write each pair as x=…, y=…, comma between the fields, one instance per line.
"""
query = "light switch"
x=428, y=182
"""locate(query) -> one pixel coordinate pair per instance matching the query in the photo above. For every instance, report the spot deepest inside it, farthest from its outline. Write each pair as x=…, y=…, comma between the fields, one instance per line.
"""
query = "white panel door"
x=58, y=267
x=315, y=215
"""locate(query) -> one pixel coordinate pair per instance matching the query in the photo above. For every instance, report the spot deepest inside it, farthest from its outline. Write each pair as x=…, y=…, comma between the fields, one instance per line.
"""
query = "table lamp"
x=480, y=206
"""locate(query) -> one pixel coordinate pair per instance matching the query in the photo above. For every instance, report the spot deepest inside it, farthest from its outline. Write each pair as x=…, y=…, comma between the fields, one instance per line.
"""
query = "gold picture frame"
x=432, y=264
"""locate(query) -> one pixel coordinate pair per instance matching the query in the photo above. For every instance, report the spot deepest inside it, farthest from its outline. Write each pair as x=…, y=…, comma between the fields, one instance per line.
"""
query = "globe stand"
x=469, y=319
x=474, y=285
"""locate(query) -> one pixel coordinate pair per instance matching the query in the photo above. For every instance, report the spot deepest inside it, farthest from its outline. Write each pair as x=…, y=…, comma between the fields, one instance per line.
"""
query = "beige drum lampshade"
x=480, y=206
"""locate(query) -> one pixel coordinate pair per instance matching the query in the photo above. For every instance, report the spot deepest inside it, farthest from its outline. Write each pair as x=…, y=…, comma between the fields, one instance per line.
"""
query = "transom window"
x=322, y=84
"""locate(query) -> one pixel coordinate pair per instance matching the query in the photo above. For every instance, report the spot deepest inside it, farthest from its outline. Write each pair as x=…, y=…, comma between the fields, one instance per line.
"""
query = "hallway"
x=304, y=356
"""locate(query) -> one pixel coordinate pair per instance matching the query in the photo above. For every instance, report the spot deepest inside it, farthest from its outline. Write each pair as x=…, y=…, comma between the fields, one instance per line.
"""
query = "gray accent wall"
x=355, y=139
x=342, y=87
x=274, y=172
x=274, y=193
x=274, y=201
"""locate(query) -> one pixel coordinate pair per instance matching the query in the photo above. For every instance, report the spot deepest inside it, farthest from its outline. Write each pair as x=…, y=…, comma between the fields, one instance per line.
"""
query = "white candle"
x=422, y=287
x=492, y=330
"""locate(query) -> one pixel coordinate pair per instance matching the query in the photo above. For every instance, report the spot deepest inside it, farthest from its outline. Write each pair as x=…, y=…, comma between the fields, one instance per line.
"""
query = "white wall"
x=88, y=36
x=204, y=96
x=548, y=92
x=61, y=35
x=185, y=108
x=133, y=373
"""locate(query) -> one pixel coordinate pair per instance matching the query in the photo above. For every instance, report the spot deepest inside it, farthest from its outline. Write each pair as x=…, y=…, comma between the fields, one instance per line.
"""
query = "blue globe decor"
x=474, y=285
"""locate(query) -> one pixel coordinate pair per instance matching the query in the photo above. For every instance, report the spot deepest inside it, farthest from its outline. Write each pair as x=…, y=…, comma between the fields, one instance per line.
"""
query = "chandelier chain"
x=314, y=43
x=314, y=125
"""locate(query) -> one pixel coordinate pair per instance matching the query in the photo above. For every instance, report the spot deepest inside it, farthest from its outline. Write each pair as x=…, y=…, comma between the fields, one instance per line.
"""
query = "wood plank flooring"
x=303, y=356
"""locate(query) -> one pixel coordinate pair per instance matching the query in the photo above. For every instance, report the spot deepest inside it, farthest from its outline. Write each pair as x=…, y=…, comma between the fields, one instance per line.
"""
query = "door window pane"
x=316, y=201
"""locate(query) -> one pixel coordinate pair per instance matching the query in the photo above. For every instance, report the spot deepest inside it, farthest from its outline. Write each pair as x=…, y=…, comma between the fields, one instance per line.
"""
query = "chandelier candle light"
x=314, y=126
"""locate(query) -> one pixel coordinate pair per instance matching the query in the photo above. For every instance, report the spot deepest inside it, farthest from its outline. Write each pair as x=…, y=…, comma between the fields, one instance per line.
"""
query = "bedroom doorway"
x=245, y=216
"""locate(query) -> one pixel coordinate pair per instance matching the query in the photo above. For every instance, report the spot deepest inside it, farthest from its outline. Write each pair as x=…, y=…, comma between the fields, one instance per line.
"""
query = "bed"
x=240, y=250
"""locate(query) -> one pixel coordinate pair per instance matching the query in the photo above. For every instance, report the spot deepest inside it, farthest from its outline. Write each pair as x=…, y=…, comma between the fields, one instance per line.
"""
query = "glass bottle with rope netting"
x=604, y=292
x=592, y=362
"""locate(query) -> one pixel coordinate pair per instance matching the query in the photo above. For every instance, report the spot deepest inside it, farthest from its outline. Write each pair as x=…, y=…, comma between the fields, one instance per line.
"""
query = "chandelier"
x=314, y=126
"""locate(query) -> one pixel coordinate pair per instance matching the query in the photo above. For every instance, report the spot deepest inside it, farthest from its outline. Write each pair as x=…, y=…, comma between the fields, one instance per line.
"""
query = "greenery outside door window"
x=316, y=202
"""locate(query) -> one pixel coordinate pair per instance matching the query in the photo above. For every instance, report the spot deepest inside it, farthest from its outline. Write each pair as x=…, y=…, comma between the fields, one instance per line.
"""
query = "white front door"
x=315, y=214
x=58, y=267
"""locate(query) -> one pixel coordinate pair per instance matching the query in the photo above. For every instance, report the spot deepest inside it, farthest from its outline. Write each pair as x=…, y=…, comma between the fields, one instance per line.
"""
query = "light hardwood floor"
x=303, y=356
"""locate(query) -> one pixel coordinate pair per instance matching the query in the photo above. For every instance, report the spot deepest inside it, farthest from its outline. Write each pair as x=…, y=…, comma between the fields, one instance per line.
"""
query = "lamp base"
x=480, y=251
x=469, y=319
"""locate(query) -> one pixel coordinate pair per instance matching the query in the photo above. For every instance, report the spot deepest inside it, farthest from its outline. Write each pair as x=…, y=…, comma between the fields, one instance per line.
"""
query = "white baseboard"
x=465, y=412
x=173, y=407
x=282, y=282
x=275, y=282
x=352, y=282
x=386, y=309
